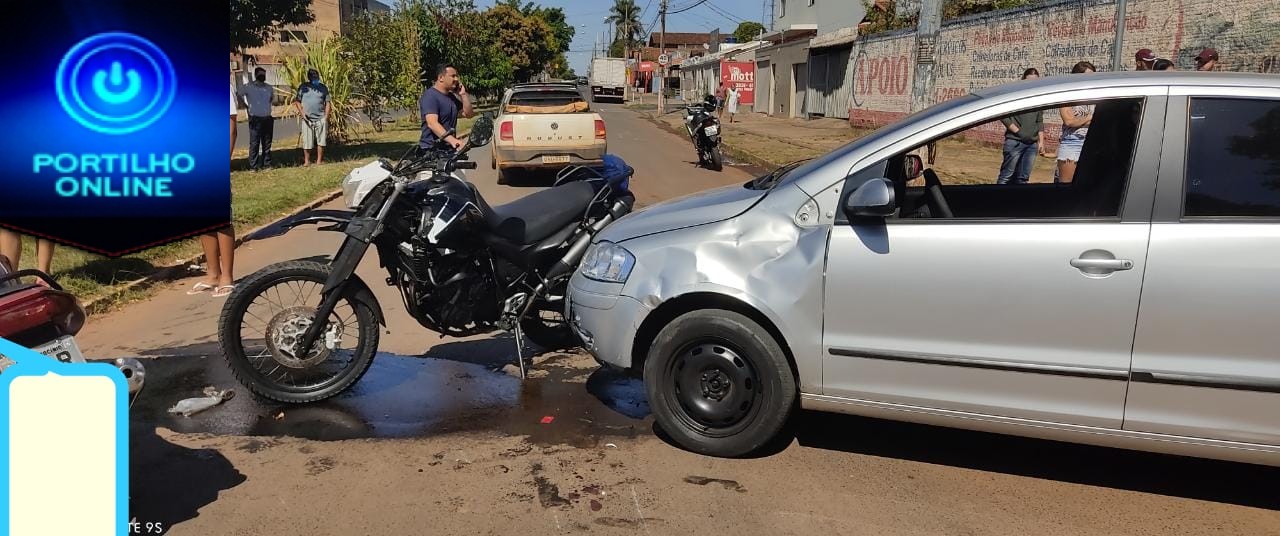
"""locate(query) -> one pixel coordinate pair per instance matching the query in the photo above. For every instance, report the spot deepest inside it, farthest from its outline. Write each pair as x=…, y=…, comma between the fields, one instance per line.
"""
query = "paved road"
x=439, y=438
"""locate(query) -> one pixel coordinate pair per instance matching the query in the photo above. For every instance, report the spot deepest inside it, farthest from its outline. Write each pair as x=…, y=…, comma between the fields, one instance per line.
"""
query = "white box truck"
x=608, y=78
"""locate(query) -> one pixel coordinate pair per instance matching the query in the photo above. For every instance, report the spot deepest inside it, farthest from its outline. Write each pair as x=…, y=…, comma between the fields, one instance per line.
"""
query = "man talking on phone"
x=440, y=105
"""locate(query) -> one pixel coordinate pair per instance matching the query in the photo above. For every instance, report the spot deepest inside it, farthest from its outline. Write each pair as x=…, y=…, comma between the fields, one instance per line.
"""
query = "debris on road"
x=548, y=419
x=610, y=445
x=211, y=398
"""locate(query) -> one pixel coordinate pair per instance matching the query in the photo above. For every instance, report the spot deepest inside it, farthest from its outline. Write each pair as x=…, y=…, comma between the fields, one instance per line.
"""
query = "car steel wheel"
x=715, y=386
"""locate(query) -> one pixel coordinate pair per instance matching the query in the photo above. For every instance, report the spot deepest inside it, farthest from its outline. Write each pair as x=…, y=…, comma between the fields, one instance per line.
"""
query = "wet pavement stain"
x=548, y=493
x=728, y=484
x=456, y=387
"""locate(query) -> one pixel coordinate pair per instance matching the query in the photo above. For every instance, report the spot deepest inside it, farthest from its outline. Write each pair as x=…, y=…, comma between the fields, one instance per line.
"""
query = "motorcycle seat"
x=538, y=215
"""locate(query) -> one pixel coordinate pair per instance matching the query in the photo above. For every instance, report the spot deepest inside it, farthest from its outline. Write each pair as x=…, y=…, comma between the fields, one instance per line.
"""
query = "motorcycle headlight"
x=713, y=130
x=608, y=262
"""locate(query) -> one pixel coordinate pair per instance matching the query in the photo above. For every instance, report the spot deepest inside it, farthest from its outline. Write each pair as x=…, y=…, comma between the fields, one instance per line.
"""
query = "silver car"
x=1126, y=295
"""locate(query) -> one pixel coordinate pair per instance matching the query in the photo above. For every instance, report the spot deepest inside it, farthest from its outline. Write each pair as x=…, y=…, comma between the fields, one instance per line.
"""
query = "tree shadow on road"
x=168, y=483
x=1192, y=478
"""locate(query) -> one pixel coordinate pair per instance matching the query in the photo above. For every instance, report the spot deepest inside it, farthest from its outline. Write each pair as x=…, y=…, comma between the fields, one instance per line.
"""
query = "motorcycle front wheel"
x=265, y=317
x=545, y=323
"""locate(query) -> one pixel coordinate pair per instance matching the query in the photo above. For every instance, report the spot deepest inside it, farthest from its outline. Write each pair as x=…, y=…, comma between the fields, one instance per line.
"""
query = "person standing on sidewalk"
x=219, y=246
x=261, y=124
x=720, y=95
x=314, y=107
x=11, y=248
x=732, y=105
x=1145, y=59
x=1023, y=139
x=1075, y=127
x=1207, y=60
x=233, y=118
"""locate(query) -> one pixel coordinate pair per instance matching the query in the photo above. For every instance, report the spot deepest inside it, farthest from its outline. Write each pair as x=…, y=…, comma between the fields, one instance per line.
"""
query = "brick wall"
x=995, y=48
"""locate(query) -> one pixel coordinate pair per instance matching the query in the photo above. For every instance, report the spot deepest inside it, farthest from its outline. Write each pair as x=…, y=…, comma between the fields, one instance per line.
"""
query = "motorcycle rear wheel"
x=275, y=370
x=715, y=161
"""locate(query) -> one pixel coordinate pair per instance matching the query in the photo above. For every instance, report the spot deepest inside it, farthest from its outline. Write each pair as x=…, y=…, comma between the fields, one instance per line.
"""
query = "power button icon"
x=115, y=83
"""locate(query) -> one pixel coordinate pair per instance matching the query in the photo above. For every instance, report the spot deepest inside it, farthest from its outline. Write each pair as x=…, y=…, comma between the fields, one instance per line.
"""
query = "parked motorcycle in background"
x=461, y=268
x=704, y=130
x=46, y=318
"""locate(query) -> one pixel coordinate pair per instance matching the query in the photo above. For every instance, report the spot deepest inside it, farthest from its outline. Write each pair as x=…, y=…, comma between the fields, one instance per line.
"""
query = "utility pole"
x=926, y=54
x=1117, y=56
x=662, y=49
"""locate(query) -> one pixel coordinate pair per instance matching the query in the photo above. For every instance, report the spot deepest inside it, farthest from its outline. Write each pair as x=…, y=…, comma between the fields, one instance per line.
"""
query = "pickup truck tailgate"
x=553, y=130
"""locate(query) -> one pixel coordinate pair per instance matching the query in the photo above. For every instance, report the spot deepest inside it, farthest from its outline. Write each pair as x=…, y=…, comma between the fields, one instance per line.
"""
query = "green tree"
x=453, y=31
x=384, y=56
x=625, y=18
x=527, y=41
x=254, y=21
x=748, y=31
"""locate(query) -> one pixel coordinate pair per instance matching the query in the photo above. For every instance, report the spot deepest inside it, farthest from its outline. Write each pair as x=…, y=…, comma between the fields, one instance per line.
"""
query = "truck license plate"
x=555, y=159
x=63, y=349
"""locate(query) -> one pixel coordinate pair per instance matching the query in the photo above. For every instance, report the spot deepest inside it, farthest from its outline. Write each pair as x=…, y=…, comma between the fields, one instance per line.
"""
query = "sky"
x=587, y=17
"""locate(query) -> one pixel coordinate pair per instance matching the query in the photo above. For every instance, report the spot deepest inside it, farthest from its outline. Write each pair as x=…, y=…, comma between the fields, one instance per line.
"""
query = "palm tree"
x=625, y=17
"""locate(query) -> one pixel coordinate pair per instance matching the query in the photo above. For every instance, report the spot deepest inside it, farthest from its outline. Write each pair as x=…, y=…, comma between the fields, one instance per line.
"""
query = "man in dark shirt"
x=440, y=105
x=1023, y=135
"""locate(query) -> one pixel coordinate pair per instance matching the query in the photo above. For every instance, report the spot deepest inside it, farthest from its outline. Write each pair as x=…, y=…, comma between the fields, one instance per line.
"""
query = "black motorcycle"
x=462, y=268
x=704, y=130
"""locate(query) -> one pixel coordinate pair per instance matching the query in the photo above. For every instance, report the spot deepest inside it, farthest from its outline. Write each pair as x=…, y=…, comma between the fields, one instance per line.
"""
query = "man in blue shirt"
x=440, y=105
x=313, y=106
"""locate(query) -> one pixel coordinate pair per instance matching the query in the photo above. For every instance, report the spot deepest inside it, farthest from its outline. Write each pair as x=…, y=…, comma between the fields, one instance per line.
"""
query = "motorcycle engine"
x=448, y=289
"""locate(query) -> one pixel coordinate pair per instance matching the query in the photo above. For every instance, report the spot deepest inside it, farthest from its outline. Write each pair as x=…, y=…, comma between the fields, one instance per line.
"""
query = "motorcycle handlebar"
x=465, y=164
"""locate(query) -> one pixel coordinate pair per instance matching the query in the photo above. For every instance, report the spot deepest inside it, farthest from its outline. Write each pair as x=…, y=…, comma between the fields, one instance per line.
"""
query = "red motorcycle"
x=46, y=318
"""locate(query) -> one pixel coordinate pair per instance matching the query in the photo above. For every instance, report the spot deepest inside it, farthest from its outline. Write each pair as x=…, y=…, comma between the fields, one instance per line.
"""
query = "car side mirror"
x=912, y=167
x=481, y=131
x=874, y=199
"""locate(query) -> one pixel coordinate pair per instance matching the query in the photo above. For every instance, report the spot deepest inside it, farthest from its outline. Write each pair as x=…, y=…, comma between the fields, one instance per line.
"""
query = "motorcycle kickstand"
x=519, y=333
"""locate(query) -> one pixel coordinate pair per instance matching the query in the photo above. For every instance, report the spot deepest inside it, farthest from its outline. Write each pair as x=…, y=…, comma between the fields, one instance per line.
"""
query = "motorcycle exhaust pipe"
x=571, y=257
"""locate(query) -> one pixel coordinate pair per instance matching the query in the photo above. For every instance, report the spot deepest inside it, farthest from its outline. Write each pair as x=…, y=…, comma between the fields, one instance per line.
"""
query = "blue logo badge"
x=115, y=83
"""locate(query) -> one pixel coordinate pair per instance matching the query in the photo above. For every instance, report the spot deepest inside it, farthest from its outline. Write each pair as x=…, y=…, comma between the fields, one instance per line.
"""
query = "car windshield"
x=878, y=134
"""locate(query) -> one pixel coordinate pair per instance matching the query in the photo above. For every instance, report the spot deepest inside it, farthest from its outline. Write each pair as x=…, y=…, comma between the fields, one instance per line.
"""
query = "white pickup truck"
x=546, y=125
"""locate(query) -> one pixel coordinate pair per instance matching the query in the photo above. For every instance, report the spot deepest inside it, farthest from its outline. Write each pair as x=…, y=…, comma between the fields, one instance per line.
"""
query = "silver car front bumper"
x=606, y=322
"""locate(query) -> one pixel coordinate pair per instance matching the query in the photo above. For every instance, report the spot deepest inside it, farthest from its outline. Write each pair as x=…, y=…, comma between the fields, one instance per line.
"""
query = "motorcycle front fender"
x=338, y=220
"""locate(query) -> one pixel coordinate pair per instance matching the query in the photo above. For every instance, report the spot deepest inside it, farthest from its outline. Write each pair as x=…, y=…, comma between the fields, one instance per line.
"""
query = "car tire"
x=493, y=160
x=718, y=384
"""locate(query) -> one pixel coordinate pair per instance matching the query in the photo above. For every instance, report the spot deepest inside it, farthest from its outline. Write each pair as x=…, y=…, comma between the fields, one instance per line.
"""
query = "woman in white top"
x=1075, y=126
x=732, y=102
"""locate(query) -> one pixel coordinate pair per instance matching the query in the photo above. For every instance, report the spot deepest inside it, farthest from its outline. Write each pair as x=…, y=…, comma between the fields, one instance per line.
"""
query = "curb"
x=737, y=153
x=167, y=273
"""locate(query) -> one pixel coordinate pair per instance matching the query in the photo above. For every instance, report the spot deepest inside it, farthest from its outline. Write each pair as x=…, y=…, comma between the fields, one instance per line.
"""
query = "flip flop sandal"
x=199, y=288
x=222, y=291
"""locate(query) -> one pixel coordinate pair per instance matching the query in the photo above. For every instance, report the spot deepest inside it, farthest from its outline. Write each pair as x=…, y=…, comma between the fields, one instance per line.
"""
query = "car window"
x=549, y=98
x=1071, y=160
x=1233, y=158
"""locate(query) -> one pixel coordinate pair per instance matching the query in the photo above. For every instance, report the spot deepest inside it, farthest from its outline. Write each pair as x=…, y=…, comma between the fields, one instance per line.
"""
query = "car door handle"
x=1102, y=264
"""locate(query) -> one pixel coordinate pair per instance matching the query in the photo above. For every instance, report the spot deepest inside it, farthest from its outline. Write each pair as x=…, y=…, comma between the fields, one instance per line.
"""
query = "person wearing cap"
x=1145, y=59
x=1163, y=65
x=1207, y=60
x=258, y=95
x=313, y=106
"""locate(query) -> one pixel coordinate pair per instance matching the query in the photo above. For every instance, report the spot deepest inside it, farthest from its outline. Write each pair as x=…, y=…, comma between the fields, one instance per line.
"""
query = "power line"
x=725, y=13
x=687, y=8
